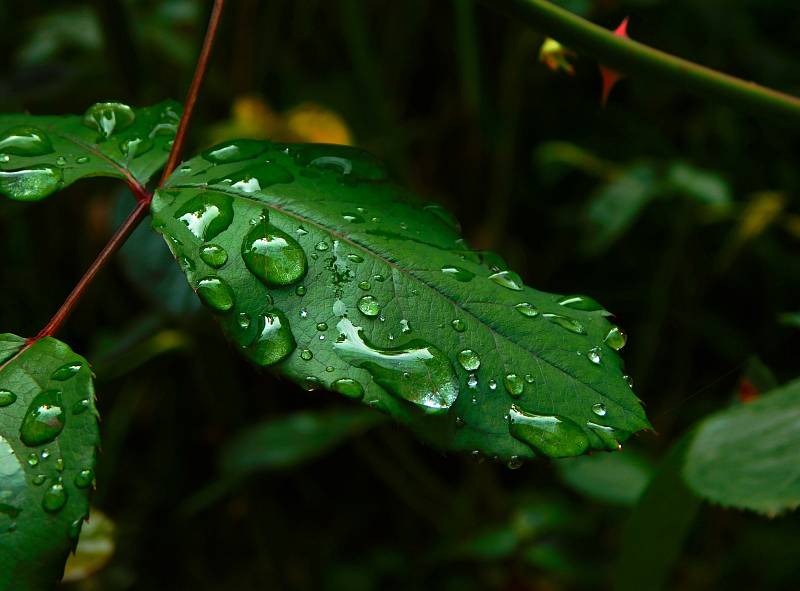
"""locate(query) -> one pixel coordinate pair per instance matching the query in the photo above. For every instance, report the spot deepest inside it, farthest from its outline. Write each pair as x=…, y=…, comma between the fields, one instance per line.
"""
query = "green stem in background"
x=639, y=60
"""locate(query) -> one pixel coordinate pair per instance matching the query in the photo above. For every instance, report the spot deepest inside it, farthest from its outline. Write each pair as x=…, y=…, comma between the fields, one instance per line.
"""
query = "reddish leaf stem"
x=117, y=240
x=194, y=89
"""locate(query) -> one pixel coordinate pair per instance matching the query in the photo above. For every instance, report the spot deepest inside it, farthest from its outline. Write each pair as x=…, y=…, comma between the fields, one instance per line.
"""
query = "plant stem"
x=194, y=89
x=637, y=59
x=117, y=240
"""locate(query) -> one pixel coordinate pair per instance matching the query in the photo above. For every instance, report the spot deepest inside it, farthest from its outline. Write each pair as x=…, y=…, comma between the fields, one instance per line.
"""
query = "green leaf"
x=616, y=478
x=746, y=456
x=315, y=264
x=658, y=526
x=293, y=439
x=48, y=436
x=41, y=154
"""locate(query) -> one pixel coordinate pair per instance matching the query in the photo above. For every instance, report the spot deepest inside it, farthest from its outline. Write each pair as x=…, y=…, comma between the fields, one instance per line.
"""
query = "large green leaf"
x=48, y=436
x=316, y=265
x=746, y=456
x=42, y=154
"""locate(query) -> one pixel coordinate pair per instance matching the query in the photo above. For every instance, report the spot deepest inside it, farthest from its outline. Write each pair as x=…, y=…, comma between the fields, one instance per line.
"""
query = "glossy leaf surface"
x=41, y=154
x=317, y=265
x=746, y=456
x=48, y=436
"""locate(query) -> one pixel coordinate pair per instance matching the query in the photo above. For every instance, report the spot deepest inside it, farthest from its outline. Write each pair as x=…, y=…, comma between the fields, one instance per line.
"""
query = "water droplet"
x=303, y=313
x=274, y=341
x=469, y=359
x=54, y=498
x=60, y=464
x=7, y=397
x=322, y=326
x=527, y=309
x=529, y=378
x=74, y=531
x=580, y=302
x=330, y=369
x=61, y=161
x=66, y=371
x=417, y=371
x=507, y=279
x=243, y=319
x=108, y=118
x=365, y=285
x=599, y=409
x=616, y=338
x=472, y=381
x=458, y=273
x=354, y=258
x=607, y=435
x=207, y=215
x=82, y=159
x=353, y=218
x=458, y=325
x=39, y=479
x=460, y=422
x=628, y=380
x=23, y=140
x=45, y=454
x=405, y=327
x=12, y=482
x=594, y=355
x=30, y=184
x=492, y=385
x=311, y=383
x=273, y=256
x=551, y=435
x=515, y=463
x=44, y=419
x=348, y=387
x=214, y=255
x=321, y=246
x=80, y=406
x=369, y=306
x=306, y=355
x=215, y=293
x=235, y=151
x=4, y=158
x=135, y=146
x=514, y=384
x=301, y=231
x=301, y=290
x=33, y=460
x=564, y=322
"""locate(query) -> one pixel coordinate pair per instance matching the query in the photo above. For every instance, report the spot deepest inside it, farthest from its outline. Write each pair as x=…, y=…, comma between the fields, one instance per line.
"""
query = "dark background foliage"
x=453, y=98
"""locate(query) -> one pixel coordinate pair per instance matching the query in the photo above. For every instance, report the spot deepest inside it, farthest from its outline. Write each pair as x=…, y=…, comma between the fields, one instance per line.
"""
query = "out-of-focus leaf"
x=791, y=319
x=747, y=456
x=294, y=439
x=703, y=186
x=74, y=27
x=555, y=159
x=313, y=263
x=617, y=478
x=615, y=207
x=41, y=154
x=656, y=530
x=48, y=436
x=95, y=548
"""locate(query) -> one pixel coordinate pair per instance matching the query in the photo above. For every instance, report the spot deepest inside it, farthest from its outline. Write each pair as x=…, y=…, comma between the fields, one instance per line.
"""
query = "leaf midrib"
x=393, y=265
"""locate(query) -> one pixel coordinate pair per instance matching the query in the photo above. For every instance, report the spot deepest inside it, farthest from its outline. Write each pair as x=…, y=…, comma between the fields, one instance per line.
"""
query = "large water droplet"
x=44, y=419
x=369, y=306
x=54, y=498
x=30, y=184
x=417, y=371
x=84, y=478
x=214, y=255
x=514, y=384
x=135, y=146
x=24, y=140
x=616, y=338
x=527, y=309
x=507, y=279
x=273, y=256
x=306, y=355
x=256, y=177
x=594, y=355
x=551, y=435
x=469, y=359
x=7, y=397
x=12, y=480
x=349, y=387
x=458, y=273
x=207, y=215
x=342, y=160
x=66, y=371
x=235, y=151
x=580, y=302
x=108, y=118
x=599, y=409
x=274, y=341
x=570, y=324
x=216, y=294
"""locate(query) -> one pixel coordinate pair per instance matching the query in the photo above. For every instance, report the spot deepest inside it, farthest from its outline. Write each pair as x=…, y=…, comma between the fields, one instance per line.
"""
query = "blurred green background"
x=678, y=214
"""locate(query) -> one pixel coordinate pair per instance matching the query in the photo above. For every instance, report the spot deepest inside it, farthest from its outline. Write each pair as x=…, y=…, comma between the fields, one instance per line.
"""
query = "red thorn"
x=611, y=77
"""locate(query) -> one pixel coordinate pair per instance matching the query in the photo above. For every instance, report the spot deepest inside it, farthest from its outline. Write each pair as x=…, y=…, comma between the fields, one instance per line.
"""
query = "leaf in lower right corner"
x=747, y=456
x=48, y=436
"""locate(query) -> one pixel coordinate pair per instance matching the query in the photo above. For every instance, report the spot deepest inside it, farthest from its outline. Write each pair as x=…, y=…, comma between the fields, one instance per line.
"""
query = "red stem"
x=117, y=240
x=194, y=89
